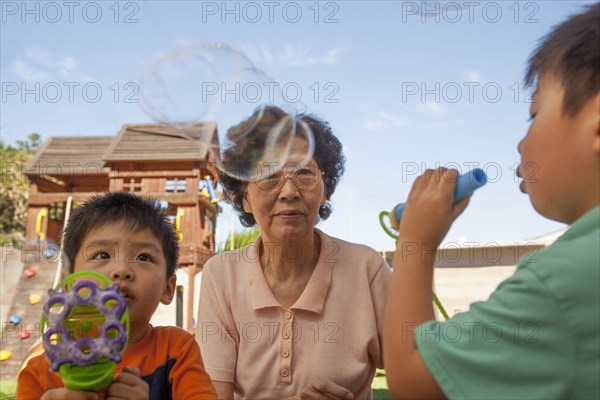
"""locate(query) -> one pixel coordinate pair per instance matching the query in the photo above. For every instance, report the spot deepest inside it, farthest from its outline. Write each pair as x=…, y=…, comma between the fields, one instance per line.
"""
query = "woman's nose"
x=289, y=190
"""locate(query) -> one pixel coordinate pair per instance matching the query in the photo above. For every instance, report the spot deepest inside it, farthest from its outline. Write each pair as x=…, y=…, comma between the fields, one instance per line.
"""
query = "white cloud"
x=27, y=72
x=473, y=75
x=438, y=125
x=381, y=120
x=431, y=108
x=292, y=55
x=38, y=64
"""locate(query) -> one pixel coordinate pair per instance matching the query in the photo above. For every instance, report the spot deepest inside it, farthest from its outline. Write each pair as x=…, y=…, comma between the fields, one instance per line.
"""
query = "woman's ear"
x=324, y=198
x=246, y=203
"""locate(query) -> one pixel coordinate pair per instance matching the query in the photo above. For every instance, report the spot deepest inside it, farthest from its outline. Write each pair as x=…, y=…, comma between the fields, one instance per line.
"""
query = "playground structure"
x=153, y=160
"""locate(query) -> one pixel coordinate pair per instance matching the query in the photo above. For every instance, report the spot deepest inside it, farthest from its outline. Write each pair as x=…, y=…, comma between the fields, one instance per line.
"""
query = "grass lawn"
x=380, y=388
x=7, y=390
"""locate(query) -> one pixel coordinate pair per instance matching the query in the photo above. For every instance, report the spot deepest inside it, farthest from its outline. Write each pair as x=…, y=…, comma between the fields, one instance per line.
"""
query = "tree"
x=30, y=145
x=14, y=188
x=241, y=238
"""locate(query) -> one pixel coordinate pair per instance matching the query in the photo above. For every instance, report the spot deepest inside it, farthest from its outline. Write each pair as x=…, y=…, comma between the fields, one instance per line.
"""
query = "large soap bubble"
x=264, y=143
x=250, y=126
x=177, y=88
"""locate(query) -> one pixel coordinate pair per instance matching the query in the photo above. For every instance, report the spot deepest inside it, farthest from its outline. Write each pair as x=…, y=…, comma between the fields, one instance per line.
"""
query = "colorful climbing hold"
x=25, y=333
x=30, y=272
x=14, y=319
x=5, y=355
x=34, y=298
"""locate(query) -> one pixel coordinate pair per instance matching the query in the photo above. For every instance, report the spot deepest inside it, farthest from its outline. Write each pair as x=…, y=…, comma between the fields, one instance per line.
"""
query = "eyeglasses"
x=304, y=178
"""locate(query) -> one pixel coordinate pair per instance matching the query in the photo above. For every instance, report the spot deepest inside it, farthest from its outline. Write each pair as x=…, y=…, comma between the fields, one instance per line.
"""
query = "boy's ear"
x=596, y=142
x=588, y=119
x=169, y=290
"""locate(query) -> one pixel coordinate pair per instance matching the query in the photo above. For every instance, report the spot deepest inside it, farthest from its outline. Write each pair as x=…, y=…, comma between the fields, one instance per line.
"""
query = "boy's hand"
x=430, y=211
x=128, y=386
x=66, y=394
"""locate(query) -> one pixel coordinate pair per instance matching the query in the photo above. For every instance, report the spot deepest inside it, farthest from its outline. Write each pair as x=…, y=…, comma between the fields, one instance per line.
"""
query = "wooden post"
x=190, y=298
x=179, y=306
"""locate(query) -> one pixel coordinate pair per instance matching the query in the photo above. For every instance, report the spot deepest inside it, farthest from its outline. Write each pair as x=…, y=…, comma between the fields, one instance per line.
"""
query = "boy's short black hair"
x=571, y=54
x=135, y=212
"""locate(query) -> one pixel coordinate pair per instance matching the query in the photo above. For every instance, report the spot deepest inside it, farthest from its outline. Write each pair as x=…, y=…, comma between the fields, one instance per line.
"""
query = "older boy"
x=537, y=335
x=128, y=239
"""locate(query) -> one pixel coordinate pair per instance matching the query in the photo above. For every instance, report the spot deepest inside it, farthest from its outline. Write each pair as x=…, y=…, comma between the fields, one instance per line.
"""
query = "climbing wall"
x=21, y=328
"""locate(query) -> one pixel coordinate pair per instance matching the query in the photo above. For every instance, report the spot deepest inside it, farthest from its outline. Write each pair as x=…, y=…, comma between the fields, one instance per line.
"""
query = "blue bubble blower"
x=465, y=185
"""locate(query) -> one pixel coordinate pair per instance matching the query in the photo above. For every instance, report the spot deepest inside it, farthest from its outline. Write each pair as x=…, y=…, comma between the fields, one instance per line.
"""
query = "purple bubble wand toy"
x=85, y=325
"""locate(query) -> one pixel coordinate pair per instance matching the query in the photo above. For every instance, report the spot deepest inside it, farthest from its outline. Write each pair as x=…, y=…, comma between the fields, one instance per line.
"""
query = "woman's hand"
x=128, y=386
x=430, y=211
x=321, y=388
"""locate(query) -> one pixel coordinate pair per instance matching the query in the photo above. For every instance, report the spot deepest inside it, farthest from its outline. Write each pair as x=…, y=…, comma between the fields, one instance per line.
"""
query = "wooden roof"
x=61, y=156
x=148, y=142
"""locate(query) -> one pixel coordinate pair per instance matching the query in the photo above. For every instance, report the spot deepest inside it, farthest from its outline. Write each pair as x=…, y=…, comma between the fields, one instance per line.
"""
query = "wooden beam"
x=127, y=174
x=44, y=199
x=178, y=199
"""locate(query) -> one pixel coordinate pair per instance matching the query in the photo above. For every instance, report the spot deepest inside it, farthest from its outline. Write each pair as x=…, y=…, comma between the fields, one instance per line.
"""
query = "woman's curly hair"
x=328, y=156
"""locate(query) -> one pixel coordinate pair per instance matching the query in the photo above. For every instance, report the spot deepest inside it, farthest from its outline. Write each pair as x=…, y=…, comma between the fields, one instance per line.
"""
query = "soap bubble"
x=264, y=143
x=176, y=89
x=219, y=86
x=255, y=126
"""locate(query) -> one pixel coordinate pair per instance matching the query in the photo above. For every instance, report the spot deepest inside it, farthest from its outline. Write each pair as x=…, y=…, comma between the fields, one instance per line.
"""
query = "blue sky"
x=406, y=85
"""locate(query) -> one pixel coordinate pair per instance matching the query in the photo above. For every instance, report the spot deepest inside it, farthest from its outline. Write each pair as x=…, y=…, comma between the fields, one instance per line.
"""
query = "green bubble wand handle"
x=436, y=300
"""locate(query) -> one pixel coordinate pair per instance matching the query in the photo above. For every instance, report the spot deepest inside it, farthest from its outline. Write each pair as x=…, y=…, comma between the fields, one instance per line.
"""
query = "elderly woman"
x=297, y=314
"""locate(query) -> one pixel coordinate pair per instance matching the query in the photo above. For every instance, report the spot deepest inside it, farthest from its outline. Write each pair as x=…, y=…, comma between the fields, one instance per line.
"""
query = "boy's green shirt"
x=537, y=337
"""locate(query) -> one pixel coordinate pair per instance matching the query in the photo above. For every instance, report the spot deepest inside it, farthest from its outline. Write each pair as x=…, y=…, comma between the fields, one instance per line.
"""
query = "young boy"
x=128, y=239
x=537, y=337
